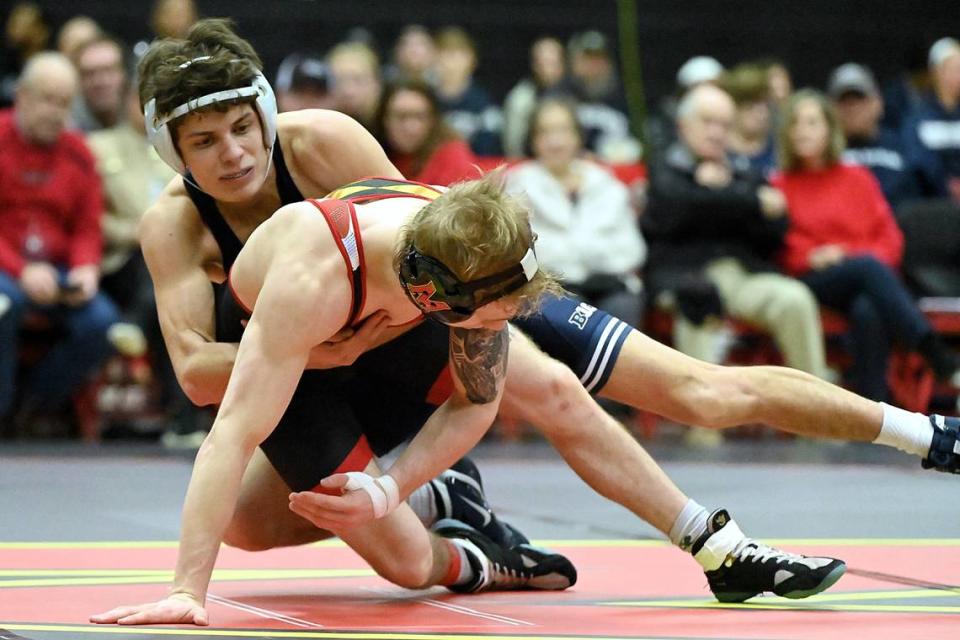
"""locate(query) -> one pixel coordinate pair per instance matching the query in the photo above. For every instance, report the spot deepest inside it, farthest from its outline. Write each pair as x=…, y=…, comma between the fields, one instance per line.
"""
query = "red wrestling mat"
x=894, y=589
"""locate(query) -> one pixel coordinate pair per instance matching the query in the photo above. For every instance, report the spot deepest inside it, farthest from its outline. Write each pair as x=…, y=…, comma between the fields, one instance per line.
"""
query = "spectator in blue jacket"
x=905, y=171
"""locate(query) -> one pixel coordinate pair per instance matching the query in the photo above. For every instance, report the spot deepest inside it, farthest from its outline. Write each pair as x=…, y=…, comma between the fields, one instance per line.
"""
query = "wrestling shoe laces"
x=944, y=453
x=498, y=568
x=750, y=568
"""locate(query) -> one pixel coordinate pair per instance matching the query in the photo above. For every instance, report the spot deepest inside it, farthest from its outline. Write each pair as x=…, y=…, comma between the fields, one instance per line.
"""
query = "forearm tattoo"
x=480, y=361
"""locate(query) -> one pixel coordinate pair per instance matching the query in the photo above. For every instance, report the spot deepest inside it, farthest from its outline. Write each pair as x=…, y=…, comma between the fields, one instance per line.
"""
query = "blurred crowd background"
x=757, y=183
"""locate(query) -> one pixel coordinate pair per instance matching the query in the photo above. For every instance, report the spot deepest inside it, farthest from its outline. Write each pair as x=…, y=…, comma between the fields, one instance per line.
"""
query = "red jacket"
x=839, y=205
x=50, y=194
x=451, y=162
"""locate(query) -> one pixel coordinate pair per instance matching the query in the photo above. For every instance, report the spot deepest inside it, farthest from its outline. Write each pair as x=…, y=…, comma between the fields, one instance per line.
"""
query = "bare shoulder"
x=329, y=149
x=170, y=230
x=297, y=227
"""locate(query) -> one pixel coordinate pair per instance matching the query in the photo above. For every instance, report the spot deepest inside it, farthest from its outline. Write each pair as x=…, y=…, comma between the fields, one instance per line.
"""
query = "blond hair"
x=476, y=229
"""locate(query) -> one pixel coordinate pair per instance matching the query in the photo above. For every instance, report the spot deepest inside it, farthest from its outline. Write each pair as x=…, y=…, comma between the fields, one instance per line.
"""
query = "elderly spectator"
x=357, y=85
x=935, y=124
x=50, y=208
x=661, y=127
x=713, y=229
x=103, y=84
x=417, y=139
x=905, y=173
x=844, y=243
x=586, y=227
x=548, y=76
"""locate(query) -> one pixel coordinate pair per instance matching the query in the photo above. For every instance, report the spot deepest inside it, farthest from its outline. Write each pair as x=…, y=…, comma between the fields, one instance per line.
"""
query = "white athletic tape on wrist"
x=718, y=546
x=383, y=491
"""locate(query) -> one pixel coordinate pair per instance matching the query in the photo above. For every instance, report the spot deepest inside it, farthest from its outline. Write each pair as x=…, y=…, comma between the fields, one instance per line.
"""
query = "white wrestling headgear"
x=158, y=131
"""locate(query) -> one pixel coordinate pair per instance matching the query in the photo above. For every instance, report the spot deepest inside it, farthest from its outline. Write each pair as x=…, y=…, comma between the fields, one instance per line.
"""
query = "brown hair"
x=566, y=104
x=746, y=83
x=477, y=229
x=439, y=132
x=455, y=38
x=211, y=58
x=786, y=155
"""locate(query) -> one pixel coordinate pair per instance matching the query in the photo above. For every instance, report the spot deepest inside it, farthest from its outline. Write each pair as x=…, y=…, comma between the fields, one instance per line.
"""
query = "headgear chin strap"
x=442, y=296
x=158, y=129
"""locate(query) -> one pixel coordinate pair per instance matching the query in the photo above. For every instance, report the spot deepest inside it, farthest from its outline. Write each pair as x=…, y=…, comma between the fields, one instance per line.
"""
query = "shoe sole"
x=732, y=597
x=827, y=582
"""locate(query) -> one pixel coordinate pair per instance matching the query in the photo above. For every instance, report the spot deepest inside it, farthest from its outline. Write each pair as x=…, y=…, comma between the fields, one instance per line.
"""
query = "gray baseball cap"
x=851, y=78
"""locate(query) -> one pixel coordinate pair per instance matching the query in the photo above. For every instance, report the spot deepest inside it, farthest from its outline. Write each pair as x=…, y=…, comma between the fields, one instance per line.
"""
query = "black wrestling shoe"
x=753, y=568
x=944, y=454
x=458, y=493
x=497, y=568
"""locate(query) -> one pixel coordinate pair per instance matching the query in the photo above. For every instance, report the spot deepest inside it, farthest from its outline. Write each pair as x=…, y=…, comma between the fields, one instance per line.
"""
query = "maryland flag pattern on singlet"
x=379, y=188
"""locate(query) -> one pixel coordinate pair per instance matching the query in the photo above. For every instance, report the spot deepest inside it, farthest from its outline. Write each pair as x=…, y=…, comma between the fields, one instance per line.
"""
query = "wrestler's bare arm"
x=297, y=307
x=478, y=362
x=331, y=149
x=170, y=237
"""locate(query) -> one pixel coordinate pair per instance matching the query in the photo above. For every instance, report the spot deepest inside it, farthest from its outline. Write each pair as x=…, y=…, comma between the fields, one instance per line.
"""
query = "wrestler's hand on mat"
x=337, y=512
x=344, y=347
x=178, y=608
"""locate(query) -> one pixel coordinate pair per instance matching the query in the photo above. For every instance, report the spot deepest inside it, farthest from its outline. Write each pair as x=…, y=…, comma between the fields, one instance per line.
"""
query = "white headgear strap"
x=158, y=129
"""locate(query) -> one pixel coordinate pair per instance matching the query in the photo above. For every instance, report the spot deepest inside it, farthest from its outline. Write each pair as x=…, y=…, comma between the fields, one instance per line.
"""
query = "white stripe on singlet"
x=601, y=355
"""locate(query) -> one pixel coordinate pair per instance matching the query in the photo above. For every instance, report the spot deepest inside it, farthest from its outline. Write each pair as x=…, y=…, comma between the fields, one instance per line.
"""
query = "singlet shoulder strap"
x=341, y=217
x=226, y=239
x=289, y=193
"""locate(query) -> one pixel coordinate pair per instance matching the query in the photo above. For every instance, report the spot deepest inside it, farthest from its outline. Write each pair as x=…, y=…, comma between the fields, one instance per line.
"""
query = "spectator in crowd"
x=661, y=128
x=548, y=75
x=76, y=32
x=414, y=56
x=904, y=173
x=903, y=94
x=466, y=106
x=355, y=70
x=303, y=82
x=50, y=208
x=27, y=32
x=169, y=19
x=587, y=229
x=103, y=84
x=779, y=81
x=844, y=243
x=714, y=229
x=418, y=141
x=752, y=140
x=602, y=109
x=173, y=18
x=936, y=122
x=133, y=177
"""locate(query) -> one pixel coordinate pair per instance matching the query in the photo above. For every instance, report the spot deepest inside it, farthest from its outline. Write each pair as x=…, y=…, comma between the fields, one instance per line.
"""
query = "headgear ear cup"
x=158, y=129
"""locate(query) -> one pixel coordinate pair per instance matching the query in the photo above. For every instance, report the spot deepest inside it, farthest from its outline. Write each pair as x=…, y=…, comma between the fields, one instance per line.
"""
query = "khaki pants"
x=778, y=304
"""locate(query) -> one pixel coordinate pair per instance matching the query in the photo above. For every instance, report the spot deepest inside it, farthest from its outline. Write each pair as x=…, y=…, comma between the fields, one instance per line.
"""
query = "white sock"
x=690, y=524
x=424, y=505
x=910, y=432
